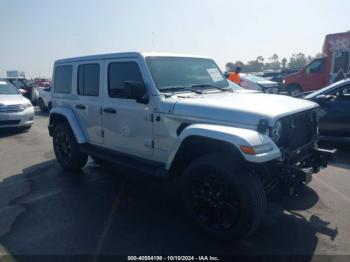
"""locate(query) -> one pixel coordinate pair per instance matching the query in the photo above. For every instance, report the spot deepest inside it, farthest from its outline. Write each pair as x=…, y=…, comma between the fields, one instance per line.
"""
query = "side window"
x=342, y=93
x=316, y=66
x=89, y=79
x=63, y=79
x=118, y=74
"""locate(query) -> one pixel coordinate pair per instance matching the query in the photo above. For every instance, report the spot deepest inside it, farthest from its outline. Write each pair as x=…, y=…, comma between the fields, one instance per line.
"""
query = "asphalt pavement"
x=106, y=210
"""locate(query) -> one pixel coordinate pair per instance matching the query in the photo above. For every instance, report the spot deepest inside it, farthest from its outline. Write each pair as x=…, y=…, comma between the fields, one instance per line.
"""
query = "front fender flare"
x=232, y=135
x=72, y=120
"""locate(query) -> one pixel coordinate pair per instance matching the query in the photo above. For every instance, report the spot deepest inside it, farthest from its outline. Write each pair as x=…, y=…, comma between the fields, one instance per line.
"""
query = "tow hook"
x=322, y=157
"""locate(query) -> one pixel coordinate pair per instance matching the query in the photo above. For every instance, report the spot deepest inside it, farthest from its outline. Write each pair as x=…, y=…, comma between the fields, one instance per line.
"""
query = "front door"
x=336, y=122
x=314, y=75
x=127, y=124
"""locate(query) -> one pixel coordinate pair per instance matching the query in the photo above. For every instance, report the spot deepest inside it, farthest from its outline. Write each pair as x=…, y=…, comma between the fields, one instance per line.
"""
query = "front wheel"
x=67, y=149
x=227, y=202
x=42, y=105
x=294, y=90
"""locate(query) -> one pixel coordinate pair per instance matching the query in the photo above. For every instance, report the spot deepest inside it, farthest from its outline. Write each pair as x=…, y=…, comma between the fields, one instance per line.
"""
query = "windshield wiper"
x=208, y=85
x=181, y=88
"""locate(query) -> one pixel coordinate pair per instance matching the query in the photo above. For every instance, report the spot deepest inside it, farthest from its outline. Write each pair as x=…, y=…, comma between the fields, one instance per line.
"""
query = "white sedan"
x=253, y=82
x=15, y=109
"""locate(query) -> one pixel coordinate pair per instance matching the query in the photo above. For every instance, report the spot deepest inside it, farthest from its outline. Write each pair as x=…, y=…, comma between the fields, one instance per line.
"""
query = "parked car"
x=335, y=101
x=332, y=67
x=15, y=110
x=253, y=82
x=278, y=75
x=21, y=83
x=44, y=100
x=171, y=116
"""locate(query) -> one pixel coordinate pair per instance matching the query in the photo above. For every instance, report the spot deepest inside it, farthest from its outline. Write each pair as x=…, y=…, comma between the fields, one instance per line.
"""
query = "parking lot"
x=107, y=210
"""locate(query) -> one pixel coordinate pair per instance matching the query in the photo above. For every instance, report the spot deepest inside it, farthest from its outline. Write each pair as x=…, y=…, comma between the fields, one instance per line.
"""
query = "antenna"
x=153, y=45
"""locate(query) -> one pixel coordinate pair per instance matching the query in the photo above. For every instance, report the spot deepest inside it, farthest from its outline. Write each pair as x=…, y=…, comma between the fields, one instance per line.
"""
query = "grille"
x=9, y=122
x=298, y=130
x=11, y=109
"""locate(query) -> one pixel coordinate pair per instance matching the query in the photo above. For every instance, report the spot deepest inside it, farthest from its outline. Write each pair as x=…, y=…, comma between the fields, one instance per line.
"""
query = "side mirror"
x=136, y=90
x=324, y=98
x=22, y=91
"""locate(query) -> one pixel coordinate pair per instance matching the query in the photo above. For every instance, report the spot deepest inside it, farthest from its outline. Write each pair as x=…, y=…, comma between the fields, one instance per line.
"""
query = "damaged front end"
x=301, y=156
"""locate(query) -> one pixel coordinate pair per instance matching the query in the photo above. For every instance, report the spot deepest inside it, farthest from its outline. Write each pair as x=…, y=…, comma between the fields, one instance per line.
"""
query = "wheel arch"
x=294, y=84
x=196, y=146
x=65, y=115
x=199, y=139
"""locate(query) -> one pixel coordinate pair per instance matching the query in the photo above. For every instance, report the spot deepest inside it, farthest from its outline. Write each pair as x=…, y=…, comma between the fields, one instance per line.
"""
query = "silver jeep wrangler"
x=175, y=116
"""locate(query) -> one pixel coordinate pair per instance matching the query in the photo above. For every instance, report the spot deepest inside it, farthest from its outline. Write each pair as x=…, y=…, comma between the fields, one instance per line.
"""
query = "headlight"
x=25, y=106
x=276, y=132
x=283, y=81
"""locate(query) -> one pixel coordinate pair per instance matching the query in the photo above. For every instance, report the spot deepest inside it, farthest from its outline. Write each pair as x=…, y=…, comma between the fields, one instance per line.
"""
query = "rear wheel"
x=227, y=202
x=67, y=149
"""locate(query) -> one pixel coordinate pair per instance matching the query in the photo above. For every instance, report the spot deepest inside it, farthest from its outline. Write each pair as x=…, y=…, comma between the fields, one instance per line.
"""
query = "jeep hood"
x=246, y=108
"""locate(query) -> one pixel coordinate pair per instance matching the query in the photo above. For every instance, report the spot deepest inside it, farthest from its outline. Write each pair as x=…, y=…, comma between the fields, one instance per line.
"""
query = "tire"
x=99, y=161
x=294, y=90
x=227, y=202
x=26, y=128
x=66, y=149
x=42, y=106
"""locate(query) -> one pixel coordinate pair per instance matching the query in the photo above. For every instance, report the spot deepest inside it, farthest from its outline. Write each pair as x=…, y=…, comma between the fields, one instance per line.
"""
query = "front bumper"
x=18, y=119
x=296, y=168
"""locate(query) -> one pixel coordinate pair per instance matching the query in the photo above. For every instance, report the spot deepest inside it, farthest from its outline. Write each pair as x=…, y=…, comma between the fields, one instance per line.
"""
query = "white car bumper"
x=18, y=119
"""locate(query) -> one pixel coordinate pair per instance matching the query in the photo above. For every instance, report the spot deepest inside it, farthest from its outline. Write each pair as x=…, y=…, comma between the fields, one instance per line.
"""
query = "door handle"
x=80, y=106
x=110, y=110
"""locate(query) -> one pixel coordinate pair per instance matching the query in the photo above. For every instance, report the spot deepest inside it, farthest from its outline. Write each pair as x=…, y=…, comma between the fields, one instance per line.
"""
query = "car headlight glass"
x=276, y=131
x=25, y=106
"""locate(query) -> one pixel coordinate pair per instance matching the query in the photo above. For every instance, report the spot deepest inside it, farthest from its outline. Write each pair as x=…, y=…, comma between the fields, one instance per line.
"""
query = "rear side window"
x=63, y=79
x=118, y=74
x=89, y=79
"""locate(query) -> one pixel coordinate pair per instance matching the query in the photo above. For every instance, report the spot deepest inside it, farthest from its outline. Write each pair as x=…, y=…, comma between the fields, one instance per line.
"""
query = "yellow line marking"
x=107, y=226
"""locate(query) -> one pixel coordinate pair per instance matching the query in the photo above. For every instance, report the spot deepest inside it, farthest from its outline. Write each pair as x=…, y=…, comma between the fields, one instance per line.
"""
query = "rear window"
x=63, y=79
x=89, y=79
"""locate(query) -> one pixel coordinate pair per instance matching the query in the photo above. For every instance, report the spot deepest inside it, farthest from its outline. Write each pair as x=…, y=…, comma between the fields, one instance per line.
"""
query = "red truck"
x=334, y=65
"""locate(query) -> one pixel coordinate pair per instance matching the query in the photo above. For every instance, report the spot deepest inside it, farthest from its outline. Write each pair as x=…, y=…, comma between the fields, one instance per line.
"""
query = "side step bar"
x=148, y=167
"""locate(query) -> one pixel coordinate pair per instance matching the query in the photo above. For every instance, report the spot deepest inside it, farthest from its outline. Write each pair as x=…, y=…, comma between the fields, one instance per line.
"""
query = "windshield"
x=177, y=72
x=7, y=89
x=253, y=78
x=17, y=83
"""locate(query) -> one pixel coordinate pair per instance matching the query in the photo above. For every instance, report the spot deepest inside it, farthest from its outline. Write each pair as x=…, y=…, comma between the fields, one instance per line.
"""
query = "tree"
x=298, y=60
x=274, y=63
x=230, y=67
x=239, y=63
x=284, y=62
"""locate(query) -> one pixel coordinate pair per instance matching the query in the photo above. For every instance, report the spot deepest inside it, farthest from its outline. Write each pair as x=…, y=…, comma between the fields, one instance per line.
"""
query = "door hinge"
x=148, y=117
x=149, y=143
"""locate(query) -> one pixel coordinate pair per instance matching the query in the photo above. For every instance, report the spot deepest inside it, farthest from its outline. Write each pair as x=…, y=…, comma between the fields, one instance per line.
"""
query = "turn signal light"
x=248, y=150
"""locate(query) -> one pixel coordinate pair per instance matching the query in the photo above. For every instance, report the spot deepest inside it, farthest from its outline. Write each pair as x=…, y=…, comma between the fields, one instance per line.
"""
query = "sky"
x=34, y=33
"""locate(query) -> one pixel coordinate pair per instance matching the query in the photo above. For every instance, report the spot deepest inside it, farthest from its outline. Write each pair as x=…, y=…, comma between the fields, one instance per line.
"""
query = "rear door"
x=88, y=103
x=336, y=122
